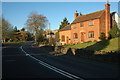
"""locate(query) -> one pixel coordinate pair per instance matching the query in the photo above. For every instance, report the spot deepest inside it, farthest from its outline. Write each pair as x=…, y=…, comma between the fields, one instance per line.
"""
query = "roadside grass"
x=80, y=45
x=113, y=45
x=107, y=45
x=103, y=51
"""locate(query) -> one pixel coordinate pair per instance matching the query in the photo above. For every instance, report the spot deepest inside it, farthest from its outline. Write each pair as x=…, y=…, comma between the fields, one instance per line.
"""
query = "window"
x=74, y=26
x=81, y=24
x=75, y=35
x=91, y=23
x=63, y=38
x=91, y=34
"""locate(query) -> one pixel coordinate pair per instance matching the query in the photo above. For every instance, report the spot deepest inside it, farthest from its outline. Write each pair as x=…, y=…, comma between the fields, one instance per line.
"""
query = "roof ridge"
x=102, y=13
x=92, y=13
x=89, y=16
x=66, y=28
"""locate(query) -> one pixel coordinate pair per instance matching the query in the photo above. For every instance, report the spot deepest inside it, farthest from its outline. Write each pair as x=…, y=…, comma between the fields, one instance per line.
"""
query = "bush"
x=39, y=37
x=52, y=41
x=114, y=32
x=102, y=36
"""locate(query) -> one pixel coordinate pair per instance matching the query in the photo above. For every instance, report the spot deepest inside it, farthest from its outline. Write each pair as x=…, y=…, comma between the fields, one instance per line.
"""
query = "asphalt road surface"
x=22, y=61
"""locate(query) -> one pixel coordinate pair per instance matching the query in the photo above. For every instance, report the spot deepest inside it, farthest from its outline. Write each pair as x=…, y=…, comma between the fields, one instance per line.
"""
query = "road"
x=22, y=61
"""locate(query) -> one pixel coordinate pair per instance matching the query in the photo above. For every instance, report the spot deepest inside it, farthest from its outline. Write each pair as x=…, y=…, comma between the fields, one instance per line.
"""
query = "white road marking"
x=69, y=75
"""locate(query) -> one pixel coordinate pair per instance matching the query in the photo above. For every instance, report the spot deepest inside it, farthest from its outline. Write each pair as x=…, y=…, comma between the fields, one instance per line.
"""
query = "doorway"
x=67, y=40
x=82, y=36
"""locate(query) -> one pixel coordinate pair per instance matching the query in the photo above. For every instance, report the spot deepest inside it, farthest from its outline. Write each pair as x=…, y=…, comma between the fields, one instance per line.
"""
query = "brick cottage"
x=87, y=27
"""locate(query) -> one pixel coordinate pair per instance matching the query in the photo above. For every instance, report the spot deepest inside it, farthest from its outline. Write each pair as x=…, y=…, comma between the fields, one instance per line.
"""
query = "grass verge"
x=107, y=45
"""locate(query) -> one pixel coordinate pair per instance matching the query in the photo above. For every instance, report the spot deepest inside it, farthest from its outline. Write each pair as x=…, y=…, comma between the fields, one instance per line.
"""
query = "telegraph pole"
x=50, y=35
x=49, y=31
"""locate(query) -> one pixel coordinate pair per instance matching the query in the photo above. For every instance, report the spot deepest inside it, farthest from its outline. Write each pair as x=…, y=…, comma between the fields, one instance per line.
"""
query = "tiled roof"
x=68, y=27
x=90, y=16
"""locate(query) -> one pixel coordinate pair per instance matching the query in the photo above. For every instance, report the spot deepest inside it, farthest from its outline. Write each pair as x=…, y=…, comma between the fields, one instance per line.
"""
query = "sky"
x=17, y=12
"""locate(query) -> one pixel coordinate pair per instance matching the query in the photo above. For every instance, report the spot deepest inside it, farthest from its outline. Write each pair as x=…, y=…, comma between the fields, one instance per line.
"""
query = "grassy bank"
x=107, y=45
x=105, y=51
x=80, y=45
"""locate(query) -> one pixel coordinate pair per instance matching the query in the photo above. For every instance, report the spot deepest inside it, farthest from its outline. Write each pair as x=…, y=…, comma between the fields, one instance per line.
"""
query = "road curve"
x=64, y=67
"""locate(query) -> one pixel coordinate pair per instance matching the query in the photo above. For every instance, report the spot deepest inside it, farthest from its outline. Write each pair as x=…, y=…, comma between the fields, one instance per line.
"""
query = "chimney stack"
x=107, y=17
x=76, y=14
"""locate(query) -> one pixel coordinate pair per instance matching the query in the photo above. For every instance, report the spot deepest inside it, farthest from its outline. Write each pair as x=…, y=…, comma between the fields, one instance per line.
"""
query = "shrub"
x=114, y=32
x=52, y=41
x=102, y=36
x=39, y=37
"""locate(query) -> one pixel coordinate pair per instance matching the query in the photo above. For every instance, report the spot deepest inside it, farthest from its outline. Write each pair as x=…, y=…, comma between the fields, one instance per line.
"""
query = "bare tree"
x=6, y=29
x=35, y=23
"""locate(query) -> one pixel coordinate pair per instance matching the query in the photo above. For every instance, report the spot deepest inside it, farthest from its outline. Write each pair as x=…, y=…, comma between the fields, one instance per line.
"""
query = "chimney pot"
x=76, y=14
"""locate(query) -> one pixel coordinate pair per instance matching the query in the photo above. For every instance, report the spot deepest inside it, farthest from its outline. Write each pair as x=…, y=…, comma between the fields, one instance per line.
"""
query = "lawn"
x=107, y=45
x=113, y=45
x=80, y=45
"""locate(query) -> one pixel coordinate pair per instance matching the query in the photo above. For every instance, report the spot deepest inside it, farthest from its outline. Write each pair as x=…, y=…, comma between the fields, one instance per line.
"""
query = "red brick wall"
x=67, y=35
x=75, y=28
x=98, y=27
x=102, y=23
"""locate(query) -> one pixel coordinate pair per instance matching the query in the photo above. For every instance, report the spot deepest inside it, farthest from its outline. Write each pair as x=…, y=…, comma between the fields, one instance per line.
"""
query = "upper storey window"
x=81, y=24
x=74, y=26
x=91, y=23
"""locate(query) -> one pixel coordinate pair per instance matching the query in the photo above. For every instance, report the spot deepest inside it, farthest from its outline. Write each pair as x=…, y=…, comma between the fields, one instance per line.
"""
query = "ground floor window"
x=91, y=34
x=75, y=35
x=63, y=38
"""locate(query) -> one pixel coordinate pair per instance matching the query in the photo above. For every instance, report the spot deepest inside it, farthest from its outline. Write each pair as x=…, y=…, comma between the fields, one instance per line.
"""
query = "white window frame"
x=91, y=23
